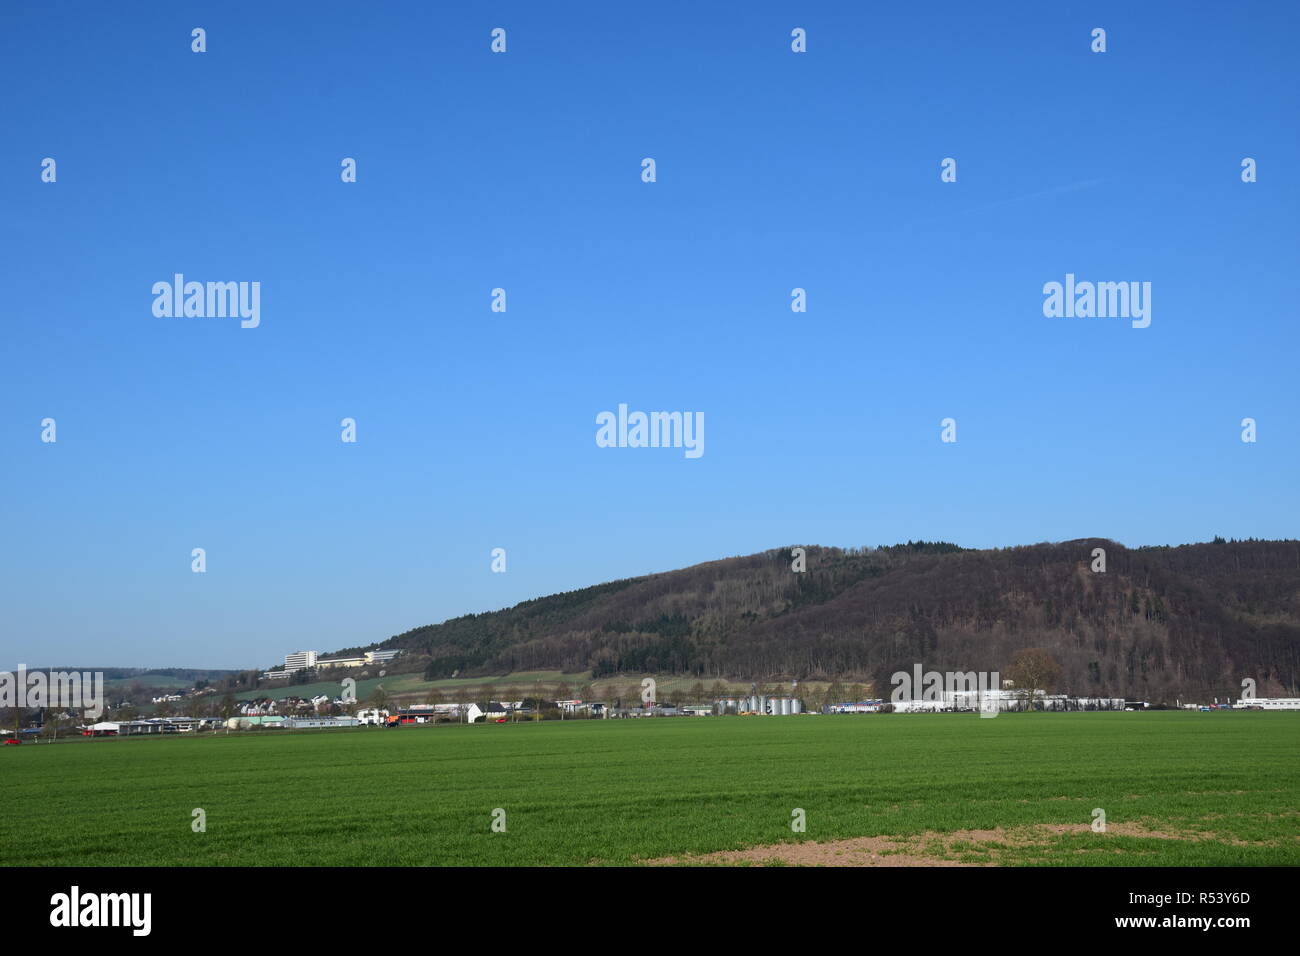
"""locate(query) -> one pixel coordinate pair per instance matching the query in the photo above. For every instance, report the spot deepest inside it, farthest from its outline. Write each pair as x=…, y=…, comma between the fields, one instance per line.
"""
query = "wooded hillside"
x=1159, y=623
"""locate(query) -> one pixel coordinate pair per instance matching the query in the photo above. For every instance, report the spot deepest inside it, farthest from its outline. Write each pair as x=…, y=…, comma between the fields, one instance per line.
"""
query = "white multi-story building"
x=299, y=661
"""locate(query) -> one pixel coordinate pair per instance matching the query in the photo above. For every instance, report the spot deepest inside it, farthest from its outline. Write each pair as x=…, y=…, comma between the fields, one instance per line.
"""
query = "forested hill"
x=1159, y=622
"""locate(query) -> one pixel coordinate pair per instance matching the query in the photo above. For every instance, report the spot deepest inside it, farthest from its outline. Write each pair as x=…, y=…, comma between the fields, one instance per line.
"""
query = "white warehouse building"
x=1004, y=700
x=1269, y=703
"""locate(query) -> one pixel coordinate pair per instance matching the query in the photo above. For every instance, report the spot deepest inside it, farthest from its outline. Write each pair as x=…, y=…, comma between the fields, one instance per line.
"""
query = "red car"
x=12, y=740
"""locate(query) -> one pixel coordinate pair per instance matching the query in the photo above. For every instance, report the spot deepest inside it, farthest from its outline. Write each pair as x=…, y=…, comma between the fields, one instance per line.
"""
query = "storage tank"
x=787, y=706
x=796, y=706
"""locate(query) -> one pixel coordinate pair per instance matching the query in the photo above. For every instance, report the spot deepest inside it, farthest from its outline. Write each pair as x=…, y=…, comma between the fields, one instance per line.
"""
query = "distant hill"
x=150, y=677
x=1160, y=623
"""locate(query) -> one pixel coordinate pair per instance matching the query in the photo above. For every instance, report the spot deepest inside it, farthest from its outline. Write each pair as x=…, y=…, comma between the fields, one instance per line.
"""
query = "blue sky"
x=522, y=170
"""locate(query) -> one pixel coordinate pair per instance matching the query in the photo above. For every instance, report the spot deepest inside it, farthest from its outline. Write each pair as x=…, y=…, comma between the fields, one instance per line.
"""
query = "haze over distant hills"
x=1158, y=623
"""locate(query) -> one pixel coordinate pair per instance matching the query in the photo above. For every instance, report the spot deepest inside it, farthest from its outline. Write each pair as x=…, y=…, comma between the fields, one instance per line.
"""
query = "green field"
x=1217, y=788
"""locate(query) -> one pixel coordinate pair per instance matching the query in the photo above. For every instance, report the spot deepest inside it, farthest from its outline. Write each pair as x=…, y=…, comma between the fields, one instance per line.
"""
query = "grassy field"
x=1177, y=789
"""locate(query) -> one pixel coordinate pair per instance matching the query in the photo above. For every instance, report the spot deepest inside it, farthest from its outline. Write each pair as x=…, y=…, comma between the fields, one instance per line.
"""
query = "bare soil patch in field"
x=960, y=848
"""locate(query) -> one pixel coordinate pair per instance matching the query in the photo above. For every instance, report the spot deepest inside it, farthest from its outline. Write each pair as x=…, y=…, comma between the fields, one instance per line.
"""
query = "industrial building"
x=1270, y=703
x=759, y=704
x=317, y=723
x=857, y=707
x=593, y=707
x=122, y=728
x=969, y=701
x=149, y=725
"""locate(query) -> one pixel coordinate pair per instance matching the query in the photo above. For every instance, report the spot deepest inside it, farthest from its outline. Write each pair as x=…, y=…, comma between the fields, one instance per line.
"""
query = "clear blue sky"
x=477, y=429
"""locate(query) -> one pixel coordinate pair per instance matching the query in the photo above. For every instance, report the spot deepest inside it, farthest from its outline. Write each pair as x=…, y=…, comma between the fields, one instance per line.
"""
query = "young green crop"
x=617, y=791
